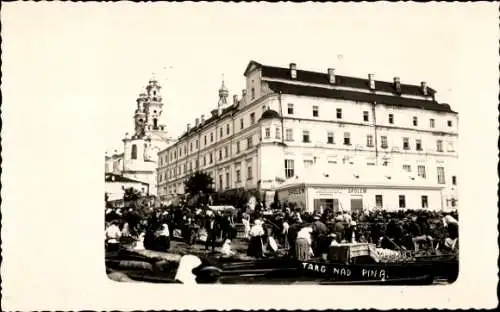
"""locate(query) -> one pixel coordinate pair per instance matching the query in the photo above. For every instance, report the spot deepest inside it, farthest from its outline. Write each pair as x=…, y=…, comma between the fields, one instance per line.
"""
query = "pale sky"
x=101, y=56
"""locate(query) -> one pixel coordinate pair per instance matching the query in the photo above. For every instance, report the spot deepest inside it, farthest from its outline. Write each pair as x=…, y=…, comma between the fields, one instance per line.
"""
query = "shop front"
x=355, y=198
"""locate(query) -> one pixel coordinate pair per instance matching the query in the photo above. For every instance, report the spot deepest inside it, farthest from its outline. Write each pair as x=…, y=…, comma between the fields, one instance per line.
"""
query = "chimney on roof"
x=293, y=70
x=371, y=80
x=202, y=118
x=423, y=84
x=235, y=99
x=331, y=75
x=188, y=127
x=397, y=84
x=196, y=122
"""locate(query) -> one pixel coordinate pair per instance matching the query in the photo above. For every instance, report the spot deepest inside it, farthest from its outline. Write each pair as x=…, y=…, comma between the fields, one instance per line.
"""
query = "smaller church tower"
x=154, y=105
x=223, y=95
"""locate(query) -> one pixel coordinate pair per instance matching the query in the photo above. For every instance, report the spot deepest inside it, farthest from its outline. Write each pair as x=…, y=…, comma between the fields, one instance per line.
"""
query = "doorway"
x=357, y=204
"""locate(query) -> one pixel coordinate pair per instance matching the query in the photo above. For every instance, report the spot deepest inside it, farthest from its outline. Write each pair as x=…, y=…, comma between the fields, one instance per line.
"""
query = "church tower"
x=149, y=138
x=223, y=95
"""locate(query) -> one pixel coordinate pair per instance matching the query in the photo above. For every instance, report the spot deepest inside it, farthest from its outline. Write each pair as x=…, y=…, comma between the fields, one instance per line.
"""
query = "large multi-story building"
x=138, y=161
x=289, y=122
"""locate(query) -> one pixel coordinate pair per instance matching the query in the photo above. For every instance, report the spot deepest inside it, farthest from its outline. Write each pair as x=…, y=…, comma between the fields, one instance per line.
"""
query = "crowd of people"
x=300, y=235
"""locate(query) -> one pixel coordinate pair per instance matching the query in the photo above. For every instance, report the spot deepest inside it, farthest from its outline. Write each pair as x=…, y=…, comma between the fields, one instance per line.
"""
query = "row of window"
x=207, y=138
x=366, y=116
x=421, y=170
x=330, y=139
x=424, y=200
x=221, y=185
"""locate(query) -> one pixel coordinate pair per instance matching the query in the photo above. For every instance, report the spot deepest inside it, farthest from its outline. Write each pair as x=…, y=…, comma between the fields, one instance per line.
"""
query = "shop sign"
x=356, y=190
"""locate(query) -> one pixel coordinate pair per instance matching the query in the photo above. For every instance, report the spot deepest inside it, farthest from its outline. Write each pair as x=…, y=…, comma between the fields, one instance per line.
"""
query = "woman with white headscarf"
x=303, y=244
x=255, y=247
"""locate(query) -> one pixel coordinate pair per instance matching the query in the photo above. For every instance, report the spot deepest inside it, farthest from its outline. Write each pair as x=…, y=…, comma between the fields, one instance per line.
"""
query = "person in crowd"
x=319, y=235
x=286, y=227
x=255, y=246
x=226, y=251
x=113, y=235
x=211, y=228
x=163, y=238
x=303, y=244
x=246, y=225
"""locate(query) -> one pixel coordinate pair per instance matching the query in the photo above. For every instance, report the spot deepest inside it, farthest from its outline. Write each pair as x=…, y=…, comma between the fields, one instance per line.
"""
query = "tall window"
x=249, y=172
x=253, y=93
x=308, y=163
x=432, y=123
x=315, y=111
x=204, y=160
x=454, y=180
x=402, y=201
x=347, y=138
x=191, y=147
x=205, y=139
x=378, y=201
x=339, y=113
x=227, y=129
x=305, y=136
x=290, y=109
x=134, y=152
x=365, y=116
x=267, y=133
x=289, y=168
x=196, y=144
x=289, y=135
x=407, y=168
x=278, y=133
x=450, y=123
x=415, y=121
x=238, y=175
x=369, y=140
x=439, y=145
x=211, y=157
x=221, y=186
x=211, y=137
x=383, y=141
x=406, y=143
x=330, y=138
x=241, y=123
x=227, y=179
x=391, y=118
x=220, y=154
x=421, y=171
x=252, y=118
x=226, y=151
x=418, y=145
x=249, y=143
x=440, y=174
x=237, y=147
x=425, y=201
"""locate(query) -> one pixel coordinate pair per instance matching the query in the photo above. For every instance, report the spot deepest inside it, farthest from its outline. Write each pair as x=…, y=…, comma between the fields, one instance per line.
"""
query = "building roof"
x=289, y=88
x=341, y=81
x=214, y=117
x=111, y=177
x=270, y=114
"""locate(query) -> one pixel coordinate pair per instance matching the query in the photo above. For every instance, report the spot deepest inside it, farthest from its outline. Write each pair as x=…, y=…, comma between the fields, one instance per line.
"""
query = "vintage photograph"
x=262, y=164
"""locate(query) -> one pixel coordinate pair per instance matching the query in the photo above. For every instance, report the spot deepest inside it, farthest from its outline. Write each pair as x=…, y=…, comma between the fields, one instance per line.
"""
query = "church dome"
x=270, y=114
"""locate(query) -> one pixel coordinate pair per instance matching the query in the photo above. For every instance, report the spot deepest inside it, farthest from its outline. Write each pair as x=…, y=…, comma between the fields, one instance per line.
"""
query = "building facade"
x=115, y=186
x=288, y=121
x=138, y=161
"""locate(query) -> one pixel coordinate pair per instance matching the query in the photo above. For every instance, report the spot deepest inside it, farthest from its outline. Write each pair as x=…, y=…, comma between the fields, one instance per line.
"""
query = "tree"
x=198, y=184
